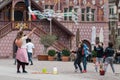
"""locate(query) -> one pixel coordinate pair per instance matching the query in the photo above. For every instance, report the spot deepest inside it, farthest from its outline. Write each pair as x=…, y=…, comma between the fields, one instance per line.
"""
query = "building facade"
x=114, y=22
x=91, y=13
x=117, y=3
x=14, y=13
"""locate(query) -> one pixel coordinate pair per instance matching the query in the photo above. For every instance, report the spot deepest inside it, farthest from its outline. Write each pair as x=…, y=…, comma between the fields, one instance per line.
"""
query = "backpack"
x=82, y=51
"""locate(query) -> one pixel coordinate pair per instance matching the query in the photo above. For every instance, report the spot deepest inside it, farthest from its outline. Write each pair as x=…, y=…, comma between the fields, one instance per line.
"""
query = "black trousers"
x=77, y=63
x=19, y=63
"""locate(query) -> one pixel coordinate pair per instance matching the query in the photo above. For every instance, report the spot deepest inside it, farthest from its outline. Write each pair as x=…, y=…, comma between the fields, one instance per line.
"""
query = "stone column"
x=12, y=11
x=29, y=15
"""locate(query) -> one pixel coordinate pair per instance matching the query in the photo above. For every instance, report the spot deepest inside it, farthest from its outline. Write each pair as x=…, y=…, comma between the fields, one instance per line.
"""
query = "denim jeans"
x=109, y=60
x=30, y=57
x=118, y=59
x=84, y=62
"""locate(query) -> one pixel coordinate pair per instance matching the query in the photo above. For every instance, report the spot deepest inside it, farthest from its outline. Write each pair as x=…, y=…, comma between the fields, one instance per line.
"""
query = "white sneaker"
x=76, y=70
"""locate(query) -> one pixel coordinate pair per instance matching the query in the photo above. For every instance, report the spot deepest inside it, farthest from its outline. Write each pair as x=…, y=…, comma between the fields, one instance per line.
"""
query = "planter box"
x=51, y=58
x=65, y=58
x=43, y=57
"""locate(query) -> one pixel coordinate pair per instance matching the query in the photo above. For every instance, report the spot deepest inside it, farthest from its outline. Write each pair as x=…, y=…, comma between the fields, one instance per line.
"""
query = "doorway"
x=18, y=15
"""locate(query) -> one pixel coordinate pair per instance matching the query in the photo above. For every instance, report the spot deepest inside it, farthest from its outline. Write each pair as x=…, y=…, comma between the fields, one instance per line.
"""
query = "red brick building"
x=100, y=16
x=14, y=12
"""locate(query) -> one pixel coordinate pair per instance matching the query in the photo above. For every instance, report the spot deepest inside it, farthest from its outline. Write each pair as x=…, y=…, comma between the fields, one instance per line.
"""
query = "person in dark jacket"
x=109, y=53
x=77, y=62
x=14, y=51
x=117, y=55
x=99, y=58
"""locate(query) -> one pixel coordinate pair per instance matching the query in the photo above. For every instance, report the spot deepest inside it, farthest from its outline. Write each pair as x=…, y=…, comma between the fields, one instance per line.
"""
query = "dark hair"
x=110, y=44
x=102, y=43
x=19, y=34
x=81, y=45
x=28, y=40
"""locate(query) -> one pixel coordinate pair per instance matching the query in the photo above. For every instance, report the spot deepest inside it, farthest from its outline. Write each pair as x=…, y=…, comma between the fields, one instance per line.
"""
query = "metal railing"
x=5, y=29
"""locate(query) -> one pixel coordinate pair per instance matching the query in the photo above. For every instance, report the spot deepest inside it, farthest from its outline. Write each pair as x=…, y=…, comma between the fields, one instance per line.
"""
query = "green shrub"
x=51, y=52
x=48, y=40
x=94, y=54
x=65, y=52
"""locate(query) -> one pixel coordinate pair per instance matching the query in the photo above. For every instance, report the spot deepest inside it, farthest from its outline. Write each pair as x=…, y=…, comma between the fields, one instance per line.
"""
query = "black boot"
x=18, y=67
x=23, y=67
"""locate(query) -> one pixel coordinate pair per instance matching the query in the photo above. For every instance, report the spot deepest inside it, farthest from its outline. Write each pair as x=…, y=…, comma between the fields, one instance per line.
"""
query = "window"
x=68, y=15
x=46, y=6
x=111, y=11
x=70, y=10
x=65, y=13
x=83, y=14
x=93, y=14
x=75, y=10
x=51, y=6
x=88, y=14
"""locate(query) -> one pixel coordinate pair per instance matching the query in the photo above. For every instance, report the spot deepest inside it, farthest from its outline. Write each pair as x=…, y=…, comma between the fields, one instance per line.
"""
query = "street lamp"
x=51, y=26
x=50, y=19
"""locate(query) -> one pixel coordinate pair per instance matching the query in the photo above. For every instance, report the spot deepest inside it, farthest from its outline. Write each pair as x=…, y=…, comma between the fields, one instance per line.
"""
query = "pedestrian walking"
x=30, y=50
x=72, y=56
x=99, y=58
x=58, y=55
x=21, y=56
x=85, y=52
x=14, y=51
x=78, y=60
x=109, y=53
x=117, y=55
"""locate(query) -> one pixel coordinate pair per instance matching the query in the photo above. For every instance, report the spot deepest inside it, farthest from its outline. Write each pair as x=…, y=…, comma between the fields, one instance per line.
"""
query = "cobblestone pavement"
x=65, y=71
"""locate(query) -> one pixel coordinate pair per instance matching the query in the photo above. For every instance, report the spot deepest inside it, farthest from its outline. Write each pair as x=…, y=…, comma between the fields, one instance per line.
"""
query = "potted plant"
x=94, y=54
x=51, y=55
x=65, y=55
x=47, y=41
